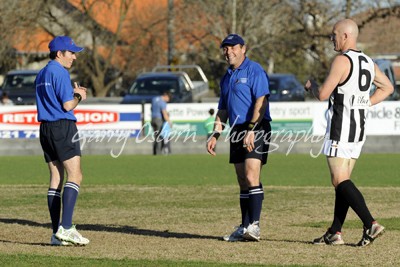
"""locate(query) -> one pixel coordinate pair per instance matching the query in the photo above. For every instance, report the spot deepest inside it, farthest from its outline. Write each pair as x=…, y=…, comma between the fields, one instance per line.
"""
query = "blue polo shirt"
x=53, y=89
x=157, y=106
x=240, y=89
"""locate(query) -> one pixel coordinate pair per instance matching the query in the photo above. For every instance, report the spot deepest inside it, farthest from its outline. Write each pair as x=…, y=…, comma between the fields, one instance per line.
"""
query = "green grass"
x=34, y=260
x=292, y=170
x=180, y=184
x=390, y=223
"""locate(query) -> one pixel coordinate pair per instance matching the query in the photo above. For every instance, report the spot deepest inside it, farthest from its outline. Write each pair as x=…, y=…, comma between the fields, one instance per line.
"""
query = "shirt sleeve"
x=260, y=85
x=63, y=88
x=221, y=104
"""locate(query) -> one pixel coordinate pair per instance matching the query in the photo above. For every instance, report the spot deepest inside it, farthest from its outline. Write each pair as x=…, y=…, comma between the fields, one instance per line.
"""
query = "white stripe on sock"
x=53, y=193
x=72, y=185
x=256, y=191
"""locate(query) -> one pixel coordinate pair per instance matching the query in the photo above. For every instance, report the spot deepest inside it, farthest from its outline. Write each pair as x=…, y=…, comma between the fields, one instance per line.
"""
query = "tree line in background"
x=126, y=37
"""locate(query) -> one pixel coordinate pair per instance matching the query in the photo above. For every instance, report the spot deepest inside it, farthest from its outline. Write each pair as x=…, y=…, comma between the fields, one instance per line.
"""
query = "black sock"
x=356, y=201
x=256, y=196
x=70, y=195
x=244, y=207
x=339, y=216
x=54, y=204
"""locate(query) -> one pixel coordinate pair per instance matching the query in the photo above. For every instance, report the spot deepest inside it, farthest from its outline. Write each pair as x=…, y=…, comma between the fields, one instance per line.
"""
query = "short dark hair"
x=211, y=111
x=53, y=54
x=168, y=93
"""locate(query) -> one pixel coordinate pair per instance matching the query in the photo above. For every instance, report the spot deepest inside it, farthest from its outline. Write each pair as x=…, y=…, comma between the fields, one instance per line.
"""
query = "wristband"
x=215, y=134
x=250, y=126
x=78, y=96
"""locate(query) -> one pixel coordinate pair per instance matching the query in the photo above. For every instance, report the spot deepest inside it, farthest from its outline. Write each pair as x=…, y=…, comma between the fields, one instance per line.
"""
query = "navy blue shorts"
x=238, y=153
x=59, y=140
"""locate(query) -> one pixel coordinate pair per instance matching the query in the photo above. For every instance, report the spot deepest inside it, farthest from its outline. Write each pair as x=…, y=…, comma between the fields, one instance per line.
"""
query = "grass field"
x=172, y=211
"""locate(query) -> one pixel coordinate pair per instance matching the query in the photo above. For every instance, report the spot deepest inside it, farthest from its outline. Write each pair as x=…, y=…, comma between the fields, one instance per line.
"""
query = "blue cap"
x=61, y=43
x=232, y=39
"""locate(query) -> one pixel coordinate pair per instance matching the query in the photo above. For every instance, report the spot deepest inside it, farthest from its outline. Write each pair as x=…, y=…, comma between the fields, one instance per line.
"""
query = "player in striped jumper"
x=347, y=89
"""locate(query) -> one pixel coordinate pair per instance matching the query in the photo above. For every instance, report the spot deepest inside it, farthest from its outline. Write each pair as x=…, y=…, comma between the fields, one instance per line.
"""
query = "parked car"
x=20, y=86
x=183, y=88
x=149, y=85
x=386, y=67
x=285, y=87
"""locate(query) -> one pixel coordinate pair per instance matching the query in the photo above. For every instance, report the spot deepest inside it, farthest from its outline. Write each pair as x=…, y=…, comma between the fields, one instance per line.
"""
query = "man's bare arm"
x=340, y=69
x=220, y=120
x=384, y=87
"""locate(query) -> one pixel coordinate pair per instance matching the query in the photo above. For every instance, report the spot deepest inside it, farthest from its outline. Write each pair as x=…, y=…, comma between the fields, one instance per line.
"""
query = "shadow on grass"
x=304, y=242
x=124, y=229
x=129, y=230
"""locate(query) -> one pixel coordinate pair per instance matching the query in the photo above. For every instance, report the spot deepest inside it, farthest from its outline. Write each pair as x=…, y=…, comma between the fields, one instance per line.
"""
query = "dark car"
x=20, y=86
x=285, y=87
x=149, y=85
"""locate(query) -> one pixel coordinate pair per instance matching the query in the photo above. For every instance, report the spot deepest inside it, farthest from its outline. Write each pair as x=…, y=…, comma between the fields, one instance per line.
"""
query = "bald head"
x=348, y=27
x=344, y=35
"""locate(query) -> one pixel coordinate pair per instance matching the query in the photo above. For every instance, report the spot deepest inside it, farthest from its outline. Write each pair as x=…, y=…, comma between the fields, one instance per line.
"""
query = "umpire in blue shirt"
x=159, y=115
x=244, y=102
x=56, y=99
